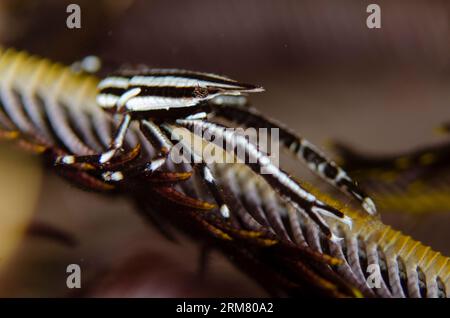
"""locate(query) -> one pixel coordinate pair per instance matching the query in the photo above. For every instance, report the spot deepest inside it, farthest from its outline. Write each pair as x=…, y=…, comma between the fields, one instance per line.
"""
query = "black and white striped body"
x=165, y=91
x=160, y=97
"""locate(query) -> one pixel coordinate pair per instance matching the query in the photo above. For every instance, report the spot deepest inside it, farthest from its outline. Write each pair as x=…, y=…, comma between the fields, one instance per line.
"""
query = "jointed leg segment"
x=106, y=156
x=289, y=188
x=315, y=160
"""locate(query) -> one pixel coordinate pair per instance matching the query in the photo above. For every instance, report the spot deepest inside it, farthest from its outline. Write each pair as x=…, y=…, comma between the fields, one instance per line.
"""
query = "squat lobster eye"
x=201, y=92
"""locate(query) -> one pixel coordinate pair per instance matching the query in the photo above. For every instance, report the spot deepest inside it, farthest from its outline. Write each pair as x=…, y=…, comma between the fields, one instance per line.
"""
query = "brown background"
x=326, y=74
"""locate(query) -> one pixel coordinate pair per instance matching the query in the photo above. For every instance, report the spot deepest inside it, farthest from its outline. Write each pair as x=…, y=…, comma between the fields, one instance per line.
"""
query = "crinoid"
x=415, y=181
x=265, y=230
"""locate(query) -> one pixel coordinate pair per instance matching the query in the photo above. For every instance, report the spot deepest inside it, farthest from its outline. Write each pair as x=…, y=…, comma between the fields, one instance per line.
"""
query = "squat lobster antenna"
x=247, y=88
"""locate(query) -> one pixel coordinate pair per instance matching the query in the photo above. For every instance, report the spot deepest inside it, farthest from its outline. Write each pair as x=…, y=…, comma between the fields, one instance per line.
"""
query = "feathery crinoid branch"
x=416, y=181
x=48, y=109
x=408, y=268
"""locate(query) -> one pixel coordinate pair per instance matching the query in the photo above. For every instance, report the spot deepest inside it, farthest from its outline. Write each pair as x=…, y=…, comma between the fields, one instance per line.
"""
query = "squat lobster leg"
x=290, y=190
x=159, y=141
x=206, y=174
x=325, y=168
x=118, y=140
x=105, y=157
